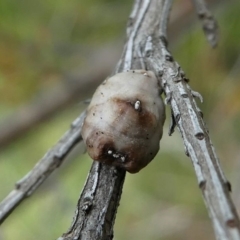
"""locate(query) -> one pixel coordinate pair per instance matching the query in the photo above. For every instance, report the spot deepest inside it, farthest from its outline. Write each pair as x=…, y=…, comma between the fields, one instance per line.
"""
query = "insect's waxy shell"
x=125, y=120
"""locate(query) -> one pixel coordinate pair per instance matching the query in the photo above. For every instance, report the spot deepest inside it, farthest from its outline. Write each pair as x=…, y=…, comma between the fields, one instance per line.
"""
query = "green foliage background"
x=41, y=41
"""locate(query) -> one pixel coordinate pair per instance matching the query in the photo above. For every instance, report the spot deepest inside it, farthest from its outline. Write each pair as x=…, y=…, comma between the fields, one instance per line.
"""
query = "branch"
x=147, y=47
x=51, y=161
x=209, y=24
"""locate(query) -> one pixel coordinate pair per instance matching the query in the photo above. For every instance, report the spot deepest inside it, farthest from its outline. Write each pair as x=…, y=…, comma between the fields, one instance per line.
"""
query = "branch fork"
x=146, y=47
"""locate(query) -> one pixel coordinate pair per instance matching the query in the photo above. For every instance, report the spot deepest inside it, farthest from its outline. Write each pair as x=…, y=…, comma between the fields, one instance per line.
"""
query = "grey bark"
x=209, y=24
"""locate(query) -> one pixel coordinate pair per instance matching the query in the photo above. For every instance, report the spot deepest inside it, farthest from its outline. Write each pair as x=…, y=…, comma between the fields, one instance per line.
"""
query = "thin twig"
x=134, y=28
x=209, y=24
x=51, y=161
x=164, y=18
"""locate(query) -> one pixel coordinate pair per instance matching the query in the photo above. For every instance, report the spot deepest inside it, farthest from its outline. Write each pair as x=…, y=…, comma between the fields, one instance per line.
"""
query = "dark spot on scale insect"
x=96, y=133
x=102, y=132
x=93, y=114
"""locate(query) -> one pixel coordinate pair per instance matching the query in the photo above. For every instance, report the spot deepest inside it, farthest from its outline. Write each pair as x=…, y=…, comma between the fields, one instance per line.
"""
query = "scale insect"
x=124, y=121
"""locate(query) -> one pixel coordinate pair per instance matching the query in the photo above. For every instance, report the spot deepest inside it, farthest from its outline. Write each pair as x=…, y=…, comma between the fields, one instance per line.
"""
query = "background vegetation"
x=42, y=43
